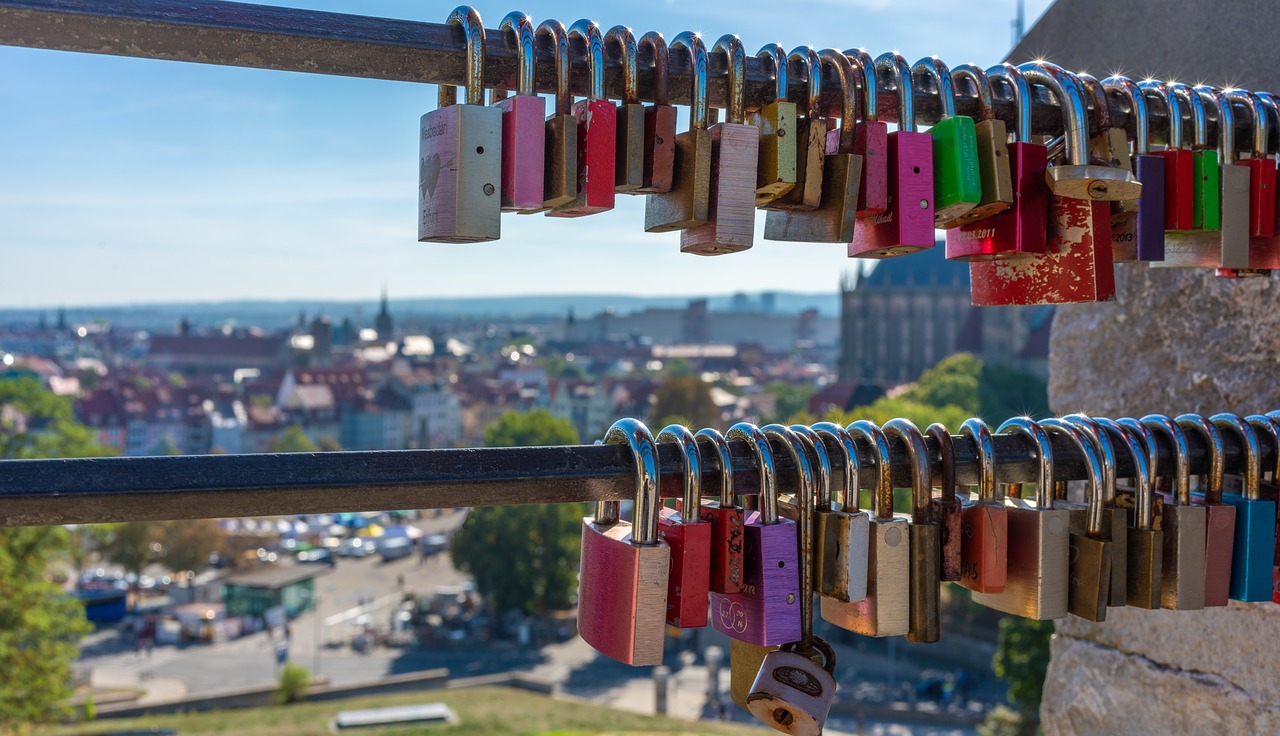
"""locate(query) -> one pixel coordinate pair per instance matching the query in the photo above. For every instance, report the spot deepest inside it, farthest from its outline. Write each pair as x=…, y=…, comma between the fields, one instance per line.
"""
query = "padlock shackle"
x=1138, y=112
x=521, y=26
x=799, y=445
x=1261, y=126
x=1144, y=435
x=712, y=436
x=1226, y=121
x=468, y=18
x=974, y=75
x=1099, y=112
x=870, y=98
x=1199, y=119
x=691, y=485
x=644, y=450
x=921, y=477
x=989, y=492
x=1252, y=451
x=1093, y=467
x=894, y=68
x=698, y=109
x=935, y=73
x=1138, y=441
x=1271, y=103
x=1067, y=89
x=630, y=53
x=560, y=52
x=1019, y=92
x=849, y=496
x=844, y=72
x=1164, y=425
x=736, y=79
x=946, y=460
x=882, y=502
x=1270, y=425
x=1217, y=453
x=812, y=66
x=822, y=469
x=1173, y=109
x=751, y=434
x=1105, y=449
x=661, y=61
x=776, y=54
x=586, y=31
x=1028, y=428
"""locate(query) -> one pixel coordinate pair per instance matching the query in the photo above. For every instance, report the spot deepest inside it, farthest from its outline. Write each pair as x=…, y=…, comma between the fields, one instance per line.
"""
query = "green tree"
x=790, y=400
x=294, y=682
x=293, y=439
x=329, y=444
x=48, y=427
x=557, y=366
x=686, y=399
x=187, y=543
x=1007, y=392
x=1022, y=658
x=885, y=408
x=523, y=557
x=129, y=545
x=40, y=627
x=165, y=446
x=952, y=382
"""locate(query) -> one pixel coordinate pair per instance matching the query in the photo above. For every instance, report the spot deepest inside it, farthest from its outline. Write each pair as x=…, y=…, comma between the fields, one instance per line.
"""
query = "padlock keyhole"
x=783, y=717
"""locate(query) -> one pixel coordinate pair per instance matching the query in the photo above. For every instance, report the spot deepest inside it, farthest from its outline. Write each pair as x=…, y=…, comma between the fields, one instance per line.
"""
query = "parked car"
x=357, y=547
x=322, y=556
x=395, y=548
x=434, y=543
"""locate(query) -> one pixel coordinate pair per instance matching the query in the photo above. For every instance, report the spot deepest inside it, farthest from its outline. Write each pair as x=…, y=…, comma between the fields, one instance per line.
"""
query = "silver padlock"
x=792, y=692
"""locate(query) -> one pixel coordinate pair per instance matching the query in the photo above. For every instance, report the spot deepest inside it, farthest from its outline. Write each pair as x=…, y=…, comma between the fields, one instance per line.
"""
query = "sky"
x=129, y=181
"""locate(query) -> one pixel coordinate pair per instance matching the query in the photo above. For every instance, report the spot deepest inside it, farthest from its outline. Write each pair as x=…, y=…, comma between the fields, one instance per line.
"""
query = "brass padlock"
x=840, y=534
x=886, y=611
x=811, y=138
x=946, y=508
x=1115, y=519
x=1183, y=524
x=926, y=537
x=560, y=172
x=993, y=151
x=1090, y=557
x=628, y=170
x=686, y=205
x=1036, y=578
x=1109, y=147
x=1146, y=541
x=744, y=663
x=776, y=174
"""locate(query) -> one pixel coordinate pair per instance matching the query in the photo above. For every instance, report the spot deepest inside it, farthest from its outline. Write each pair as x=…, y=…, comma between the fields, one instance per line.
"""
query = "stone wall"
x=1176, y=341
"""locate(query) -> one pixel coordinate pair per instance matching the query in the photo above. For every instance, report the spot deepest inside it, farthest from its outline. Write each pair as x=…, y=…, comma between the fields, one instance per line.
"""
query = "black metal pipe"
x=34, y=492
x=288, y=39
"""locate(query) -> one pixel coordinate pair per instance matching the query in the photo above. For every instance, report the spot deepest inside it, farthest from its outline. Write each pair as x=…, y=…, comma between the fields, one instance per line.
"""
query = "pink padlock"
x=597, y=133
x=524, y=126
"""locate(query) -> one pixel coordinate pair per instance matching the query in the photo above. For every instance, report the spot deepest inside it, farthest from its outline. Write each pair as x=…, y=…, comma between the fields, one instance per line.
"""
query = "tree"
x=686, y=400
x=165, y=446
x=329, y=444
x=523, y=557
x=790, y=401
x=1007, y=392
x=40, y=627
x=48, y=427
x=1022, y=658
x=186, y=544
x=293, y=439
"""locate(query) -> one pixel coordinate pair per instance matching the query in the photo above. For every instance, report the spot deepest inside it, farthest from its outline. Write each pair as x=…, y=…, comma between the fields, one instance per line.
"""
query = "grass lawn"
x=487, y=711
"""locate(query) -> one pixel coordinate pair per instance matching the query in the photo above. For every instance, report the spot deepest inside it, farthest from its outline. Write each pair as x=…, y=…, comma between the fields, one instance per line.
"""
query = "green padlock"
x=957, y=182
x=1206, y=194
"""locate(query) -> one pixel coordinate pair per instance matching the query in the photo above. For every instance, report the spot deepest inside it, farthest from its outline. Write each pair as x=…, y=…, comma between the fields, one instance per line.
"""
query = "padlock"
x=767, y=609
x=946, y=507
x=686, y=205
x=524, y=125
x=841, y=534
x=1078, y=178
x=957, y=185
x=994, y=172
x=689, y=538
x=1220, y=517
x=1090, y=550
x=1183, y=525
x=659, y=123
x=1253, y=557
x=735, y=146
x=622, y=586
x=1141, y=237
x=1110, y=147
x=744, y=663
x=1264, y=252
x=725, y=517
x=1235, y=181
x=906, y=225
x=926, y=537
x=1262, y=169
x=833, y=220
x=597, y=124
x=629, y=149
x=1037, y=572
x=886, y=611
x=810, y=138
x=1021, y=230
x=460, y=154
x=792, y=692
x=1145, y=552
x=560, y=167
x=1179, y=161
x=1115, y=518
x=1269, y=488
x=984, y=524
x=871, y=140
x=776, y=173
x=1206, y=195
x=1272, y=104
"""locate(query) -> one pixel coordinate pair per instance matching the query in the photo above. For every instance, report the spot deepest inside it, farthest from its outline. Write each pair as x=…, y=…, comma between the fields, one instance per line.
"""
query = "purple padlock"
x=767, y=610
x=1147, y=232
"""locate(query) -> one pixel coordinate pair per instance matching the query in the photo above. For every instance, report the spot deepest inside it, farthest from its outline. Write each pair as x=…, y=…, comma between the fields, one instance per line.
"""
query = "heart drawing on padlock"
x=430, y=175
x=733, y=617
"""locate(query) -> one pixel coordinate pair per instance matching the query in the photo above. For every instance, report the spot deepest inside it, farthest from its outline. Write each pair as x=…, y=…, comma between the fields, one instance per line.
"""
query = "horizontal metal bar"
x=34, y=492
x=288, y=39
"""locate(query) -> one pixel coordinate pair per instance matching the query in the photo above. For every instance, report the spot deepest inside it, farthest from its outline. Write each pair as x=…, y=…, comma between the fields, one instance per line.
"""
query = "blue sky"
x=132, y=181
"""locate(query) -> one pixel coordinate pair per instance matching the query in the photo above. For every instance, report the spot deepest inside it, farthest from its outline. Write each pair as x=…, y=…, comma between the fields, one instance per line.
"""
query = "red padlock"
x=1262, y=169
x=984, y=524
x=871, y=140
x=906, y=226
x=1179, y=162
x=689, y=538
x=659, y=123
x=597, y=132
x=524, y=126
x=726, y=519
